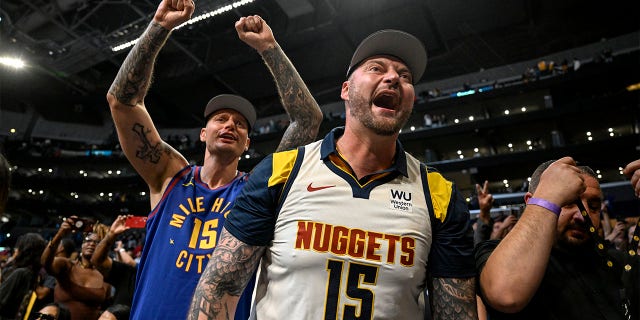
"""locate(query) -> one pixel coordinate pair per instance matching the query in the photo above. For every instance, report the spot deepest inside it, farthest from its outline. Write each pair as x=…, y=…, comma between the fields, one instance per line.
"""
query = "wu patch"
x=401, y=200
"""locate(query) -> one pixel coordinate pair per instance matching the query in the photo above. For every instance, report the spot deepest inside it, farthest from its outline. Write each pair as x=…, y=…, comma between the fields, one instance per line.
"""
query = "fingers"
x=249, y=24
x=484, y=189
x=632, y=170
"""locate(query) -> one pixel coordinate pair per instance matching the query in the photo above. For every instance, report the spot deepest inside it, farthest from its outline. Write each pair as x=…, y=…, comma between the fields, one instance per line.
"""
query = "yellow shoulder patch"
x=440, y=189
x=281, y=166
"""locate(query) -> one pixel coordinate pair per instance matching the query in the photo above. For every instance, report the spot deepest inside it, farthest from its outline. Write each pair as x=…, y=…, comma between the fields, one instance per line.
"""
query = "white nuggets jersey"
x=338, y=249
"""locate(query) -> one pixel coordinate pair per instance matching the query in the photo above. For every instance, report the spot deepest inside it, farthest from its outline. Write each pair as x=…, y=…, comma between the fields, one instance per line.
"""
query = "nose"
x=230, y=123
x=575, y=212
x=392, y=76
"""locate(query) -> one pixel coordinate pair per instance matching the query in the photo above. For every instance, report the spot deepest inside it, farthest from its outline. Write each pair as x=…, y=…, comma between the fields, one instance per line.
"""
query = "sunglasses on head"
x=43, y=316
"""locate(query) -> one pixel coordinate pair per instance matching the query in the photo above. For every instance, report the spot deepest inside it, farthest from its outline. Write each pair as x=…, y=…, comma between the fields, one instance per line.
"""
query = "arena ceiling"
x=67, y=45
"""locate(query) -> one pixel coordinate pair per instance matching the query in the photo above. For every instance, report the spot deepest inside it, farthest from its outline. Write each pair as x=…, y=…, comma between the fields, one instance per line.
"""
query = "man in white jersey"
x=349, y=227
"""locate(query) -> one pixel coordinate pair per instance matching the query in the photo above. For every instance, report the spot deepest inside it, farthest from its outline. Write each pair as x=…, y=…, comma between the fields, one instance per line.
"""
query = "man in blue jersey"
x=352, y=226
x=189, y=203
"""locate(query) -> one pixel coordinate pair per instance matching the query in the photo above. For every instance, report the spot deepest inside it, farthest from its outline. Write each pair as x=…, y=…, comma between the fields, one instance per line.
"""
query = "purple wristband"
x=545, y=204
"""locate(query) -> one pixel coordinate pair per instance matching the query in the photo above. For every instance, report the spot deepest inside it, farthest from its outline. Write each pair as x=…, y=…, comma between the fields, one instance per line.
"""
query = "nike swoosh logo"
x=311, y=188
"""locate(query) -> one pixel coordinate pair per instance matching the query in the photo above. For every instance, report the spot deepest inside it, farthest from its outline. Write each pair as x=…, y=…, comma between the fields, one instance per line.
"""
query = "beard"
x=568, y=240
x=360, y=109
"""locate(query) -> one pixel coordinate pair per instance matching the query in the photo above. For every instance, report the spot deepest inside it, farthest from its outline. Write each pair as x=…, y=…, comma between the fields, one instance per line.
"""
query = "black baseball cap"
x=234, y=102
x=395, y=43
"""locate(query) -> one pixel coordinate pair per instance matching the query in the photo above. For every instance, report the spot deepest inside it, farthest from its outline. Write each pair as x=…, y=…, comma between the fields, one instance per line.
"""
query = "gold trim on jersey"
x=281, y=166
x=440, y=190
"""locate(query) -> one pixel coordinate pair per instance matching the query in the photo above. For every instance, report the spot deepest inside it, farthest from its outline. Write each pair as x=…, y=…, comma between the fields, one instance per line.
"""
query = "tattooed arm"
x=304, y=113
x=153, y=159
x=225, y=277
x=454, y=299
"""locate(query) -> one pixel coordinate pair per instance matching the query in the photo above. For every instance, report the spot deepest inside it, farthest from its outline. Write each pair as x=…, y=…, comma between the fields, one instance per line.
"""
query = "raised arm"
x=534, y=234
x=225, y=277
x=454, y=298
x=485, y=223
x=304, y=113
x=152, y=158
x=100, y=257
x=56, y=266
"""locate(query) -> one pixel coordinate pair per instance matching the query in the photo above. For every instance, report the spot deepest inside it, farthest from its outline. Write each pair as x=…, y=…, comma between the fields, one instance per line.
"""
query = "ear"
x=344, y=93
x=246, y=146
x=527, y=196
x=203, y=134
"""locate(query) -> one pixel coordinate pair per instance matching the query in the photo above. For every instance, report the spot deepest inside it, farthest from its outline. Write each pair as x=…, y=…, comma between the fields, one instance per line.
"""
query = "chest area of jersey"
x=325, y=213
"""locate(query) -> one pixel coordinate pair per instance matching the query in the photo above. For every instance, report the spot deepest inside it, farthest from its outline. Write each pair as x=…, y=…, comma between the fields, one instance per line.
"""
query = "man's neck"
x=219, y=171
x=366, y=153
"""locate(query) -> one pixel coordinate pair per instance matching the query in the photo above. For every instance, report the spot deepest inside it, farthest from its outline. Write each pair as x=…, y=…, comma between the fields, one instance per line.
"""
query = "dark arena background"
x=484, y=109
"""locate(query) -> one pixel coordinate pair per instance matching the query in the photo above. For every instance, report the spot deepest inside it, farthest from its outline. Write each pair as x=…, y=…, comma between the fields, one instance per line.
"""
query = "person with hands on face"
x=189, y=203
x=120, y=275
x=80, y=286
x=548, y=266
x=502, y=227
x=617, y=238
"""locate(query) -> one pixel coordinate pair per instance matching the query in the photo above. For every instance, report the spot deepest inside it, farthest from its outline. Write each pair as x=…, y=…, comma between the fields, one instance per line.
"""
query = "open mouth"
x=387, y=100
x=228, y=136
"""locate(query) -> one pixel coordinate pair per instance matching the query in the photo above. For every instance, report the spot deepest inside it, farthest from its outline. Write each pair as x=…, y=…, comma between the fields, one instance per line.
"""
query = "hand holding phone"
x=136, y=222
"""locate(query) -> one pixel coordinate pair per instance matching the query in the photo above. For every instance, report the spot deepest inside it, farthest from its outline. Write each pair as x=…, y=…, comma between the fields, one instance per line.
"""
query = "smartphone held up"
x=136, y=222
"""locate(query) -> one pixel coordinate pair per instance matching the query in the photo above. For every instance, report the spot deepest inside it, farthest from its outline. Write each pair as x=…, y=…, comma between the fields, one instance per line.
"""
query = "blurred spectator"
x=52, y=311
x=630, y=233
x=5, y=181
x=484, y=223
x=617, y=238
x=120, y=274
x=116, y=312
x=576, y=64
x=20, y=279
x=564, y=66
x=502, y=226
x=80, y=286
x=427, y=120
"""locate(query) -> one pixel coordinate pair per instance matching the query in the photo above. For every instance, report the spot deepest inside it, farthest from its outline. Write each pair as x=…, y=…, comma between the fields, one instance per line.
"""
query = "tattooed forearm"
x=454, y=299
x=227, y=273
x=302, y=108
x=134, y=77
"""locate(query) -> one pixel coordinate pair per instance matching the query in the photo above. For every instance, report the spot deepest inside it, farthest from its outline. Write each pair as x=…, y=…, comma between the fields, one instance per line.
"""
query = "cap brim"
x=234, y=102
x=395, y=43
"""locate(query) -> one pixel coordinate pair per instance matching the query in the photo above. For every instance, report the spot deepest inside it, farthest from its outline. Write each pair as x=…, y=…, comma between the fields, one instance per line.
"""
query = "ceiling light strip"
x=193, y=20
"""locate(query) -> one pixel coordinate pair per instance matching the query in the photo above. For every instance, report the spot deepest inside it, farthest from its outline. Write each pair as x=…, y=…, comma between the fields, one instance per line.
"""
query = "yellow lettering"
x=217, y=204
x=177, y=220
x=183, y=254
x=184, y=209
x=188, y=263
x=193, y=209
x=200, y=258
x=195, y=233
x=200, y=204
x=210, y=234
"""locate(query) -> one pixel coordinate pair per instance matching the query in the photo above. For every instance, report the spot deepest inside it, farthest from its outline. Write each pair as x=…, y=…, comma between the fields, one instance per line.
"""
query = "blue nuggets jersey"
x=182, y=232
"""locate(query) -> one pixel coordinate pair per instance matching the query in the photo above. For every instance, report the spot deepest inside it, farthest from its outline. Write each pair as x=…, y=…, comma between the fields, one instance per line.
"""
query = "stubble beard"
x=360, y=109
